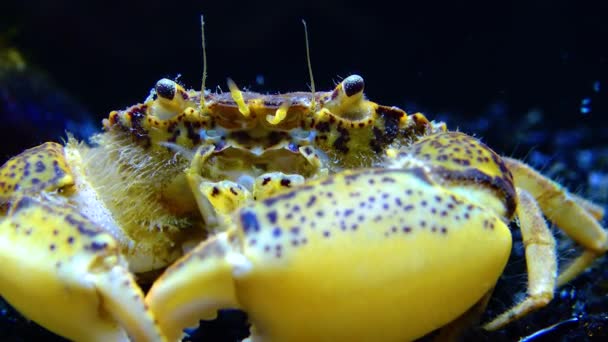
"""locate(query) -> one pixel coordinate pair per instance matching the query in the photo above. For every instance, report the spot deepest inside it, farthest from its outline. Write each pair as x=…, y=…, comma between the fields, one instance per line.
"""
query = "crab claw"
x=65, y=273
x=361, y=255
x=196, y=286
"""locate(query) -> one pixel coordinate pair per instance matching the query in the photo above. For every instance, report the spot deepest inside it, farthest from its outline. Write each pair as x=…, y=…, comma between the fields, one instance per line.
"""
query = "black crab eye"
x=353, y=84
x=166, y=88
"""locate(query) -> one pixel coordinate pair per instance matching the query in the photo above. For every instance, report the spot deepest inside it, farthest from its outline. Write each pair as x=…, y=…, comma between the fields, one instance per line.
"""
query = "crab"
x=323, y=215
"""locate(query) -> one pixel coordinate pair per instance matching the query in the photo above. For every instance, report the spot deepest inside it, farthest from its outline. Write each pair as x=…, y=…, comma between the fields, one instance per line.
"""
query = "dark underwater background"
x=530, y=78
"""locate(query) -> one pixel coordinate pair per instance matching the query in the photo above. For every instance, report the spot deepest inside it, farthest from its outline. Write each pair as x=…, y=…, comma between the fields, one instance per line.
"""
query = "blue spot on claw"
x=250, y=223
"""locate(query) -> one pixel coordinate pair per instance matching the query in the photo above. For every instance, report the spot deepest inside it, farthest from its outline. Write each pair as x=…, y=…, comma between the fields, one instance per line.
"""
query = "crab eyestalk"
x=169, y=100
x=346, y=99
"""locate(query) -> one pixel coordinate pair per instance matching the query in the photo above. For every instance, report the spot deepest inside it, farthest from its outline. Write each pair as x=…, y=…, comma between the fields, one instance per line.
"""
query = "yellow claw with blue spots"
x=358, y=256
x=323, y=215
x=375, y=254
x=62, y=270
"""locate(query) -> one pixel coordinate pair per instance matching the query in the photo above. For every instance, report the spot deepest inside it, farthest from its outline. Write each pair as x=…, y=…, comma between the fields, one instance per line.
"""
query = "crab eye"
x=353, y=84
x=166, y=88
x=169, y=99
x=346, y=100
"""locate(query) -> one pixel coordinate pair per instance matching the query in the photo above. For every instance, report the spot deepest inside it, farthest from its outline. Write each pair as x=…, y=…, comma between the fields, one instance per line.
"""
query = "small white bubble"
x=585, y=159
x=259, y=79
x=585, y=105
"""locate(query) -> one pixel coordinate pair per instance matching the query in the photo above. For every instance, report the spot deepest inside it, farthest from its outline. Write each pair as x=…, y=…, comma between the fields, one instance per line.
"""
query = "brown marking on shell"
x=457, y=157
x=344, y=132
x=502, y=185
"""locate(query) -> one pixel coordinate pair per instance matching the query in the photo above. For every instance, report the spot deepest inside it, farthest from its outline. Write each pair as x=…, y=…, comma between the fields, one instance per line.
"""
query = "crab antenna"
x=203, y=105
x=312, y=79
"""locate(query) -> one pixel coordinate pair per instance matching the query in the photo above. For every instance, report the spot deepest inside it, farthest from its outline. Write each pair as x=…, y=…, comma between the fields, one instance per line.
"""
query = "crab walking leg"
x=62, y=271
x=194, y=288
x=320, y=261
x=541, y=261
x=595, y=210
x=577, y=221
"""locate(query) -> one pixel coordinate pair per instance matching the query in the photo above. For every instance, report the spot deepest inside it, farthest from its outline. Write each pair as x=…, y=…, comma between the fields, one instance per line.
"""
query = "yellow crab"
x=323, y=215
